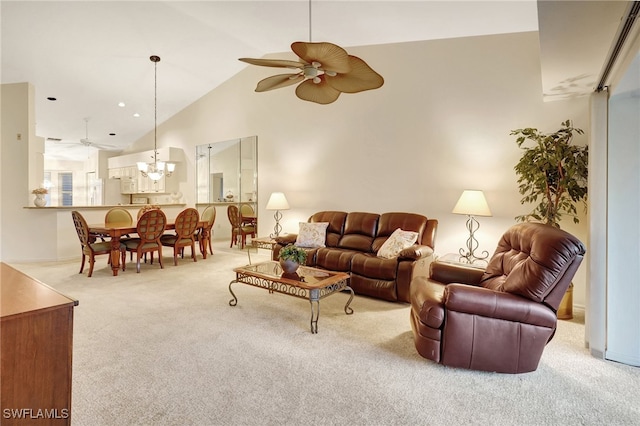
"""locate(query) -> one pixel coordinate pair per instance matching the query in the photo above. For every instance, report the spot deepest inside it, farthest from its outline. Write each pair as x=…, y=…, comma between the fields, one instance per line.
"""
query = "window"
x=65, y=194
x=47, y=184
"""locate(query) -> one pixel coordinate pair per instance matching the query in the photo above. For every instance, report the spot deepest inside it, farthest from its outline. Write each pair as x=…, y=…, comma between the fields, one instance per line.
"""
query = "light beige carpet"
x=164, y=347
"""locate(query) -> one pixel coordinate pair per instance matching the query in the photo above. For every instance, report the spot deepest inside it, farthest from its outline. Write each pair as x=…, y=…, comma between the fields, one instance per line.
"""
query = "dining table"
x=116, y=230
x=248, y=219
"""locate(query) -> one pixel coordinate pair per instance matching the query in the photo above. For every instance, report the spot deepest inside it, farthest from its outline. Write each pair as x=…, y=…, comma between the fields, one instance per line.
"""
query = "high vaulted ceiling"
x=92, y=55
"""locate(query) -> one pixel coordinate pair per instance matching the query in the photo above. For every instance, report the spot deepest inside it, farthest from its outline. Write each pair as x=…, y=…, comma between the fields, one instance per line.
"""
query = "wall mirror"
x=227, y=171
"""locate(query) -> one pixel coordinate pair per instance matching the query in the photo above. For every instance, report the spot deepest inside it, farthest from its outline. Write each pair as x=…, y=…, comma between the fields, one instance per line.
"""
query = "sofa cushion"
x=336, y=225
x=334, y=259
x=369, y=265
x=359, y=232
x=312, y=235
x=389, y=222
x=397, y=242
x=374, y=287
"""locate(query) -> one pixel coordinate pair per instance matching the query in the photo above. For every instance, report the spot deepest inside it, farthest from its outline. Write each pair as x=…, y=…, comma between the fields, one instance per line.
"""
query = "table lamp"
x=472, y=203
x=277, y=202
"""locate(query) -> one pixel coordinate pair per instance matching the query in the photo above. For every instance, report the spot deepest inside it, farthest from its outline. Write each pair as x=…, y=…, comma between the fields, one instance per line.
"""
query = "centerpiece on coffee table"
x=291, y=257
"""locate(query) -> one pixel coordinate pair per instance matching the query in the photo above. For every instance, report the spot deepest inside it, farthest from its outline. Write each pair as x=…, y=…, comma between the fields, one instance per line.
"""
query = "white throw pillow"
x=397, y=242
x=312, y=235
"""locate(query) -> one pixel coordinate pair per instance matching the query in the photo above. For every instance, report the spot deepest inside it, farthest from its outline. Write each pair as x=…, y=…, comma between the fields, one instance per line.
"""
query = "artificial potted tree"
x=552, y=174
x=291, y=257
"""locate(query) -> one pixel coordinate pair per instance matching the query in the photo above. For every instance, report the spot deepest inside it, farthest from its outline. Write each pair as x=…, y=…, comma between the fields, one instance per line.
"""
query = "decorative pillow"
x=312, y=235
x=397, y=242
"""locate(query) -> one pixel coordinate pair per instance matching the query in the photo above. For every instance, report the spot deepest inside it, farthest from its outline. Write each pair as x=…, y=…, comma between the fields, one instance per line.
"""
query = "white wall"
x=439, y=125
x=21, y=229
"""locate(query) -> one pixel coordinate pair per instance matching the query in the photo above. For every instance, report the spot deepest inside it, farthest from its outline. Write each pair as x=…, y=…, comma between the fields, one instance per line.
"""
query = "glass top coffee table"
x=307, y=283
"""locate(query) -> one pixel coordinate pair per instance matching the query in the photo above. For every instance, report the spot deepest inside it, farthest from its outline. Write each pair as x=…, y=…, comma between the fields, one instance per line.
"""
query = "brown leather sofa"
x=352, y=241
x=501, y=318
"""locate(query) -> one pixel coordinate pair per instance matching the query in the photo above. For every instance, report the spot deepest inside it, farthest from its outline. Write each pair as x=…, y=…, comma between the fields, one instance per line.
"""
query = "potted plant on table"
x=552, y=173
x=291, y=257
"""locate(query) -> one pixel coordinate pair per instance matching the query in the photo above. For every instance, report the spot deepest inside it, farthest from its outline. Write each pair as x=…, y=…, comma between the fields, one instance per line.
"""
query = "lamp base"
x=472, y=244
x=276, y=229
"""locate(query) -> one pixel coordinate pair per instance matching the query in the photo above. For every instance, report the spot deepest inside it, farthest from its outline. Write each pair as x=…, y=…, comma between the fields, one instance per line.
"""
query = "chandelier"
x=155, y=170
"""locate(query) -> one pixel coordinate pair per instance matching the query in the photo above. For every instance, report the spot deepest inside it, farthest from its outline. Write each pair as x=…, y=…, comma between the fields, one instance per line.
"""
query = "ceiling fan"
x=325, y=71
x=88, y=142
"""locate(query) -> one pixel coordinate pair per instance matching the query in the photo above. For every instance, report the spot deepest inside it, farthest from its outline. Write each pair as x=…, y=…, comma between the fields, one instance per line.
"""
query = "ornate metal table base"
x=311, y=284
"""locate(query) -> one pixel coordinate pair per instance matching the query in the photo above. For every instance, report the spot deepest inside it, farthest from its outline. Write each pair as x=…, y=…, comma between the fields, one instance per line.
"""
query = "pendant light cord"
x=155, y=112
x=155, y=59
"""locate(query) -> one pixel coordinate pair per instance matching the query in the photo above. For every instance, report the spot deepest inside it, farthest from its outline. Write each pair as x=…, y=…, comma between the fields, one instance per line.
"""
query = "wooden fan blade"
x=361, y=77
x=279, y=63
x=278, y=81
x=331, y=57
x=320, y=93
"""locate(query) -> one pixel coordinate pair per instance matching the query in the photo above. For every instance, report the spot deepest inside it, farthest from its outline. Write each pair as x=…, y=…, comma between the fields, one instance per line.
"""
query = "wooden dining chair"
x=150, y=228
x=118, y=215
x=185, y=229
x=203, y=235
x=247, y=210
x=238, y=230
x=89, y=246
x=146, y=208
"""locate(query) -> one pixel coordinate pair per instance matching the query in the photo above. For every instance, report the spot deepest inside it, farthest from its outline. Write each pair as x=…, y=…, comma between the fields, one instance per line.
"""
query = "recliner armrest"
x=447, y=273
x=494, y=304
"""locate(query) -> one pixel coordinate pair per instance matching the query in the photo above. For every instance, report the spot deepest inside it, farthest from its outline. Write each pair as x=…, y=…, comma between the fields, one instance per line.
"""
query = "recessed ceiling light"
x=51, y=98
x=136, y=115
x=121, y=104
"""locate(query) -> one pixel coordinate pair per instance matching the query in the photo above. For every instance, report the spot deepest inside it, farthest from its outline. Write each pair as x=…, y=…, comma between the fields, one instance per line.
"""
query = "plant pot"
x=565, y=311
x=289, y=266
x=40, y=201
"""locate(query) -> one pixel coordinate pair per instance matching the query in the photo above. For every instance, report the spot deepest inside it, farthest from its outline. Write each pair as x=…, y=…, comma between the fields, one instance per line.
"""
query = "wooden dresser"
x=36, y=333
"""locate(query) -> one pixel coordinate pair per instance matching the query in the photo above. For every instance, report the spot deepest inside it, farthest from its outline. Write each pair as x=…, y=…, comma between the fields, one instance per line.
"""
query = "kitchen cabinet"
x=148, y=185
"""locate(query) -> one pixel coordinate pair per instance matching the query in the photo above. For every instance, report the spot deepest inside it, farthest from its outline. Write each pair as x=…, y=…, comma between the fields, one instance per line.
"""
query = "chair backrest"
x=118, y=215
x=187, y=222
x=209, y=216
x=82, y=229
x=535, y=261
x=146, y=208
x=151, y=225
x=247, y=209
x=234, y=216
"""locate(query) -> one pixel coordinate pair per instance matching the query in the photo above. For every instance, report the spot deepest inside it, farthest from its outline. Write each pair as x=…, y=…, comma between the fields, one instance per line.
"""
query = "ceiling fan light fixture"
x=326, y=67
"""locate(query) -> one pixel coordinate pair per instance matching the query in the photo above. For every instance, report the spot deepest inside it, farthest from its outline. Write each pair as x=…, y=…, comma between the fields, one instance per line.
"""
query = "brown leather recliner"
x=501, y=318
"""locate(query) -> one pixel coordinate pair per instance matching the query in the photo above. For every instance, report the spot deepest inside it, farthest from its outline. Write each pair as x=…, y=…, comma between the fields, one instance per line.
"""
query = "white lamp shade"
x=142, y=166
x=472, y=203
x=277, y=201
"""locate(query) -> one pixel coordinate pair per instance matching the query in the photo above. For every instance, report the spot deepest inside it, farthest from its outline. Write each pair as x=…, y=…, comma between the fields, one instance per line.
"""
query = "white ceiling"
x=91, y=55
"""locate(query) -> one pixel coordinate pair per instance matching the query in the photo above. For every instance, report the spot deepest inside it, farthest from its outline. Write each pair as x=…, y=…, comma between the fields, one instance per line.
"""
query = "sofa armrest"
x=415, y=252
x=286, y=239
x=447, y=273
x=494, y=304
